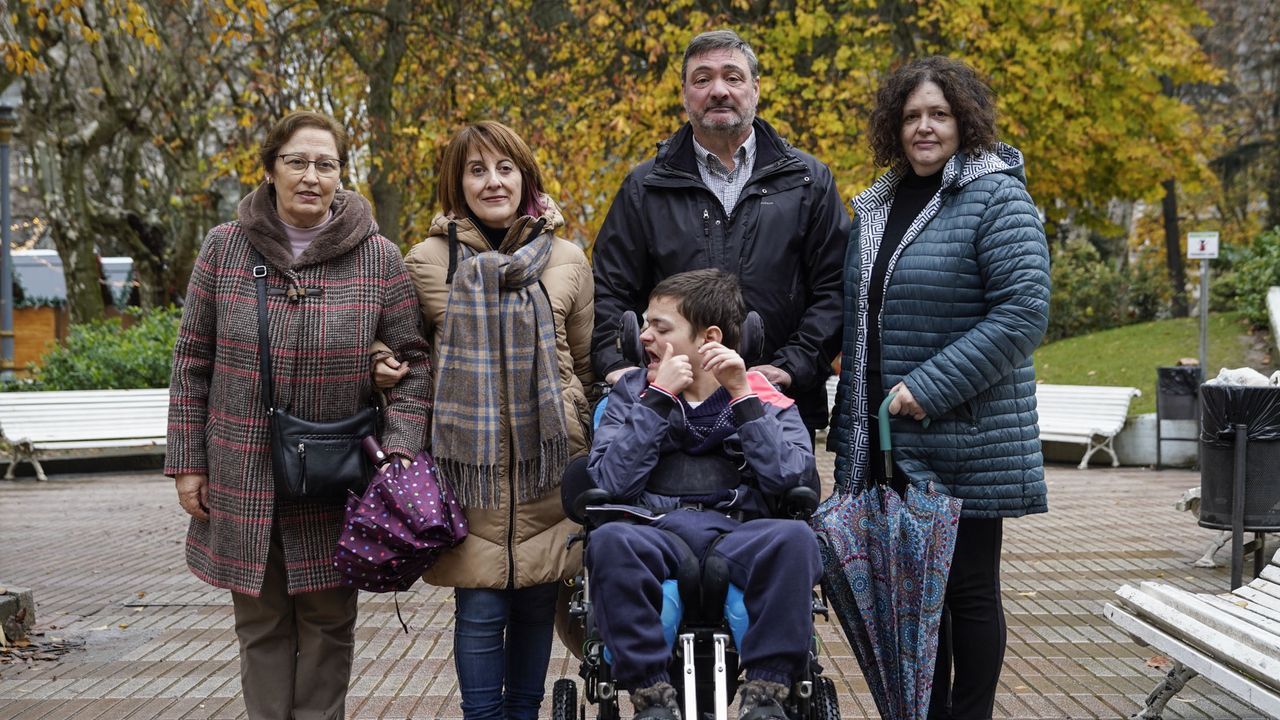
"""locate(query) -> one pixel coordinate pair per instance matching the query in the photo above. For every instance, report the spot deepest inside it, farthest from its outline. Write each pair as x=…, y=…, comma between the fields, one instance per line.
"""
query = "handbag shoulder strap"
x=264, y=342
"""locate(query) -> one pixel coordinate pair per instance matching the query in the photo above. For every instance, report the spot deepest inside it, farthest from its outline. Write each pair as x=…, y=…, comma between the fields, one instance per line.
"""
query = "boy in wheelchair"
x=708, y=448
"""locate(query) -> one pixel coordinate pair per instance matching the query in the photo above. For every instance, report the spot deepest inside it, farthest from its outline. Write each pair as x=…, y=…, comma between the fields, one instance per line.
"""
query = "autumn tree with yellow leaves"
x=593, y=85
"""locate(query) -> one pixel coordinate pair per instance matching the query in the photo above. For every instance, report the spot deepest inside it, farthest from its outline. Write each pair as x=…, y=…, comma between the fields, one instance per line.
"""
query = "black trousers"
x=972, y=639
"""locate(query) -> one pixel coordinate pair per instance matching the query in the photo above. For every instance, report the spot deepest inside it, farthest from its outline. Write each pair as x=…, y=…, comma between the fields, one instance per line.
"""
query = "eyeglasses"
x=325, y=167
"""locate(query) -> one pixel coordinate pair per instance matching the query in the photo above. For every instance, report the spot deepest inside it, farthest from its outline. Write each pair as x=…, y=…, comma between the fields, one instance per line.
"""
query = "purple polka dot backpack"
x=406, y=518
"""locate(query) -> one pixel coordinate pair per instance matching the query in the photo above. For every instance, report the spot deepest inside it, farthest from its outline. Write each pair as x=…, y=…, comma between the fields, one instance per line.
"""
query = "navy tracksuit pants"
x=774, y=562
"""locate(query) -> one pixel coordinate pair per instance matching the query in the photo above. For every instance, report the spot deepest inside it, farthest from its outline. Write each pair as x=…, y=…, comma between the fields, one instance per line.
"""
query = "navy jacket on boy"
x=771, y=439
x=774, y=562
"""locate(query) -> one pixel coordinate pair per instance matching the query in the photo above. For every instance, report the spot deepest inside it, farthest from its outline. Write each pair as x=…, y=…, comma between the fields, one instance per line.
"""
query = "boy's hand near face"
x=674, y=373
x=727, y=366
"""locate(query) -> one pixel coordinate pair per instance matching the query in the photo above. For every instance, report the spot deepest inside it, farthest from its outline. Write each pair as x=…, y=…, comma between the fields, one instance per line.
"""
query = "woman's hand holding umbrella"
x=904, y=403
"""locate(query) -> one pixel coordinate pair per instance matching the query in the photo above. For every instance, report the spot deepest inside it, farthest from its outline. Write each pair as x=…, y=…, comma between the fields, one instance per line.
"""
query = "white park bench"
x=1089, y=415
x=1231, y=639
x=44, y=424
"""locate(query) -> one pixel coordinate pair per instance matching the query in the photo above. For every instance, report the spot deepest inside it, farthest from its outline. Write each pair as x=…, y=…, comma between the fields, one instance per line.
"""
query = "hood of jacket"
x=959, y=171
x=352, y=223
x=470, y=235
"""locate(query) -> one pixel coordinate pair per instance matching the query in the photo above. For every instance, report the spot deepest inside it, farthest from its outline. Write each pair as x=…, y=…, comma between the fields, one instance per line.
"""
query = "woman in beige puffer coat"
x=489, y=266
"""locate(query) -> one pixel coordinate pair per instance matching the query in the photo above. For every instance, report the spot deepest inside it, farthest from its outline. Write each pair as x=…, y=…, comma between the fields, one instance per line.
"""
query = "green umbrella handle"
x=883, y=416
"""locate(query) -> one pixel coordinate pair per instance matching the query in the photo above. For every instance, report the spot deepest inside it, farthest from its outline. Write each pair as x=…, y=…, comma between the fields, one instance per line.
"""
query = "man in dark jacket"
x=727, y=192
x=704, y=444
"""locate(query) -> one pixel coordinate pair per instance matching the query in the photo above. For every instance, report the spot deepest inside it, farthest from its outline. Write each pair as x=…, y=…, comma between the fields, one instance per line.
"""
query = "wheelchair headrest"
x=750, y=339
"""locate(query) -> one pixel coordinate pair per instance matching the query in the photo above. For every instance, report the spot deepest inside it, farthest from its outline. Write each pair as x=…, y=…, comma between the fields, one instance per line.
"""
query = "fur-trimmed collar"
x=352, y=223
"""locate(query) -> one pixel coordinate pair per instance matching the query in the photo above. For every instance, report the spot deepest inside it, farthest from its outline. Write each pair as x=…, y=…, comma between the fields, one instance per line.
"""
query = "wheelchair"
x=703, y=620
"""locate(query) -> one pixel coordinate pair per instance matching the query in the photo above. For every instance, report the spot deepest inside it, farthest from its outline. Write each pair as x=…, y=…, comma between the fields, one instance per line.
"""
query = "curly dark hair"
x=972, y=103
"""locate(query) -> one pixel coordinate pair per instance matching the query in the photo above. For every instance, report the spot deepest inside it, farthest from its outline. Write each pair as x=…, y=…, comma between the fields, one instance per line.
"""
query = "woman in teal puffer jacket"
x=946, y=296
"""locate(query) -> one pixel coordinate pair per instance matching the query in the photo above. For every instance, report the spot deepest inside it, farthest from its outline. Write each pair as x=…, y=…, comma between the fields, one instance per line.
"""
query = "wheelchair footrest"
x=690, y=676
x=722, y=681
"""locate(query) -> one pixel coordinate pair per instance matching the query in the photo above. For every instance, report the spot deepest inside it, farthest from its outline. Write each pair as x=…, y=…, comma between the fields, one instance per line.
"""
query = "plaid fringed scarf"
x=498, y=328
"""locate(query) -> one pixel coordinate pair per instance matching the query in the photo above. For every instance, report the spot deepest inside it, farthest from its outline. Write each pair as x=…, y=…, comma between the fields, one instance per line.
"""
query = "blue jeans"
x=501, y=647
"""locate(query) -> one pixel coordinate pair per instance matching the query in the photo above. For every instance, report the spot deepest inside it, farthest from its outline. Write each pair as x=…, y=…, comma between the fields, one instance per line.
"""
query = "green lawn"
x=1130, y=355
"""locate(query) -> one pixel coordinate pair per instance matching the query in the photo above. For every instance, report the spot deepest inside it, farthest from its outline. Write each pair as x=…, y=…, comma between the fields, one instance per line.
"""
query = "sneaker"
x=656, y=702
x=761, y=699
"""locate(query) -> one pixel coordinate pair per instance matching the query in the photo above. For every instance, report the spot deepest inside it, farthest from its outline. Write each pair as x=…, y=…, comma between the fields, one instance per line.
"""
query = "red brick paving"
x=104, y=555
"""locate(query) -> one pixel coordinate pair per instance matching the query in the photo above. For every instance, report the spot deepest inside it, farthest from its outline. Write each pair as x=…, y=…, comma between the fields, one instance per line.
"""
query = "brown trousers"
x=295, y=650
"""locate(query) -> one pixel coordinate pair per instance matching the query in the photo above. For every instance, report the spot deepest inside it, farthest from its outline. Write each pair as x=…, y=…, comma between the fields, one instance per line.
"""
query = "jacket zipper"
x=511, y=536
x=706, y=232
x=302, y=463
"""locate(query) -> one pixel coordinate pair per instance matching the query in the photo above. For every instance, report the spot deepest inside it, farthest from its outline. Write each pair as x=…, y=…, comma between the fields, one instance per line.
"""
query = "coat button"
x=764, y=191
x=806, y=178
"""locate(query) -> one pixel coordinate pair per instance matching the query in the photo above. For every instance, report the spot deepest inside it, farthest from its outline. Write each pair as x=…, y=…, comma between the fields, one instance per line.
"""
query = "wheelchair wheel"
x=824, y=705
x=564, y=700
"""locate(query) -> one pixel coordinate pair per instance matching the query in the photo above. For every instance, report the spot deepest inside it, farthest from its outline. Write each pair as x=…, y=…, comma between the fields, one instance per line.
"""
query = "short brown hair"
x=284, y=129
x=972, y=103
x=705, y=298
x=719, y=40
x=499, y=140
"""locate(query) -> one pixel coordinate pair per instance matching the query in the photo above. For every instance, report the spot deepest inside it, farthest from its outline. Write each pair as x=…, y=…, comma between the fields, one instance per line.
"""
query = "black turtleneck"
x=494, y=236
x=909, y=199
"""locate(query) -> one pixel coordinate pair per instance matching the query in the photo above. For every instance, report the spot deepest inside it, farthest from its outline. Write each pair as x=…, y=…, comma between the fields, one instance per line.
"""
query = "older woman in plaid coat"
x=294, y=620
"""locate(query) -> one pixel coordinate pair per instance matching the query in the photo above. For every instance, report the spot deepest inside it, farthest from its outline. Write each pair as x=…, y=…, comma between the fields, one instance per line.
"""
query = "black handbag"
x=311, y=460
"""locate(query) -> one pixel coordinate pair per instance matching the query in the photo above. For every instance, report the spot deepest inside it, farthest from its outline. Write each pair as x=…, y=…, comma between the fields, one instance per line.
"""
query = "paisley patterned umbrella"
x=886, y=560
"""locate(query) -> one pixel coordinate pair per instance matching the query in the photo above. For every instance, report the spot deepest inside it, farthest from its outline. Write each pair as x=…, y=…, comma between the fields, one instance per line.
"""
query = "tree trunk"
x=82, y=274
x=60, y=174
x=149, y=262
x=896, y=14
x=1173, y=249
x=386, y=190
x=387, y=194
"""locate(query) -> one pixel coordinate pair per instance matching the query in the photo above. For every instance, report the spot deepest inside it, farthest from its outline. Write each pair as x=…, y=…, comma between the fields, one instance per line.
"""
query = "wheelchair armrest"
x=586, y=498
x=578, y=490
x=799, y=503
